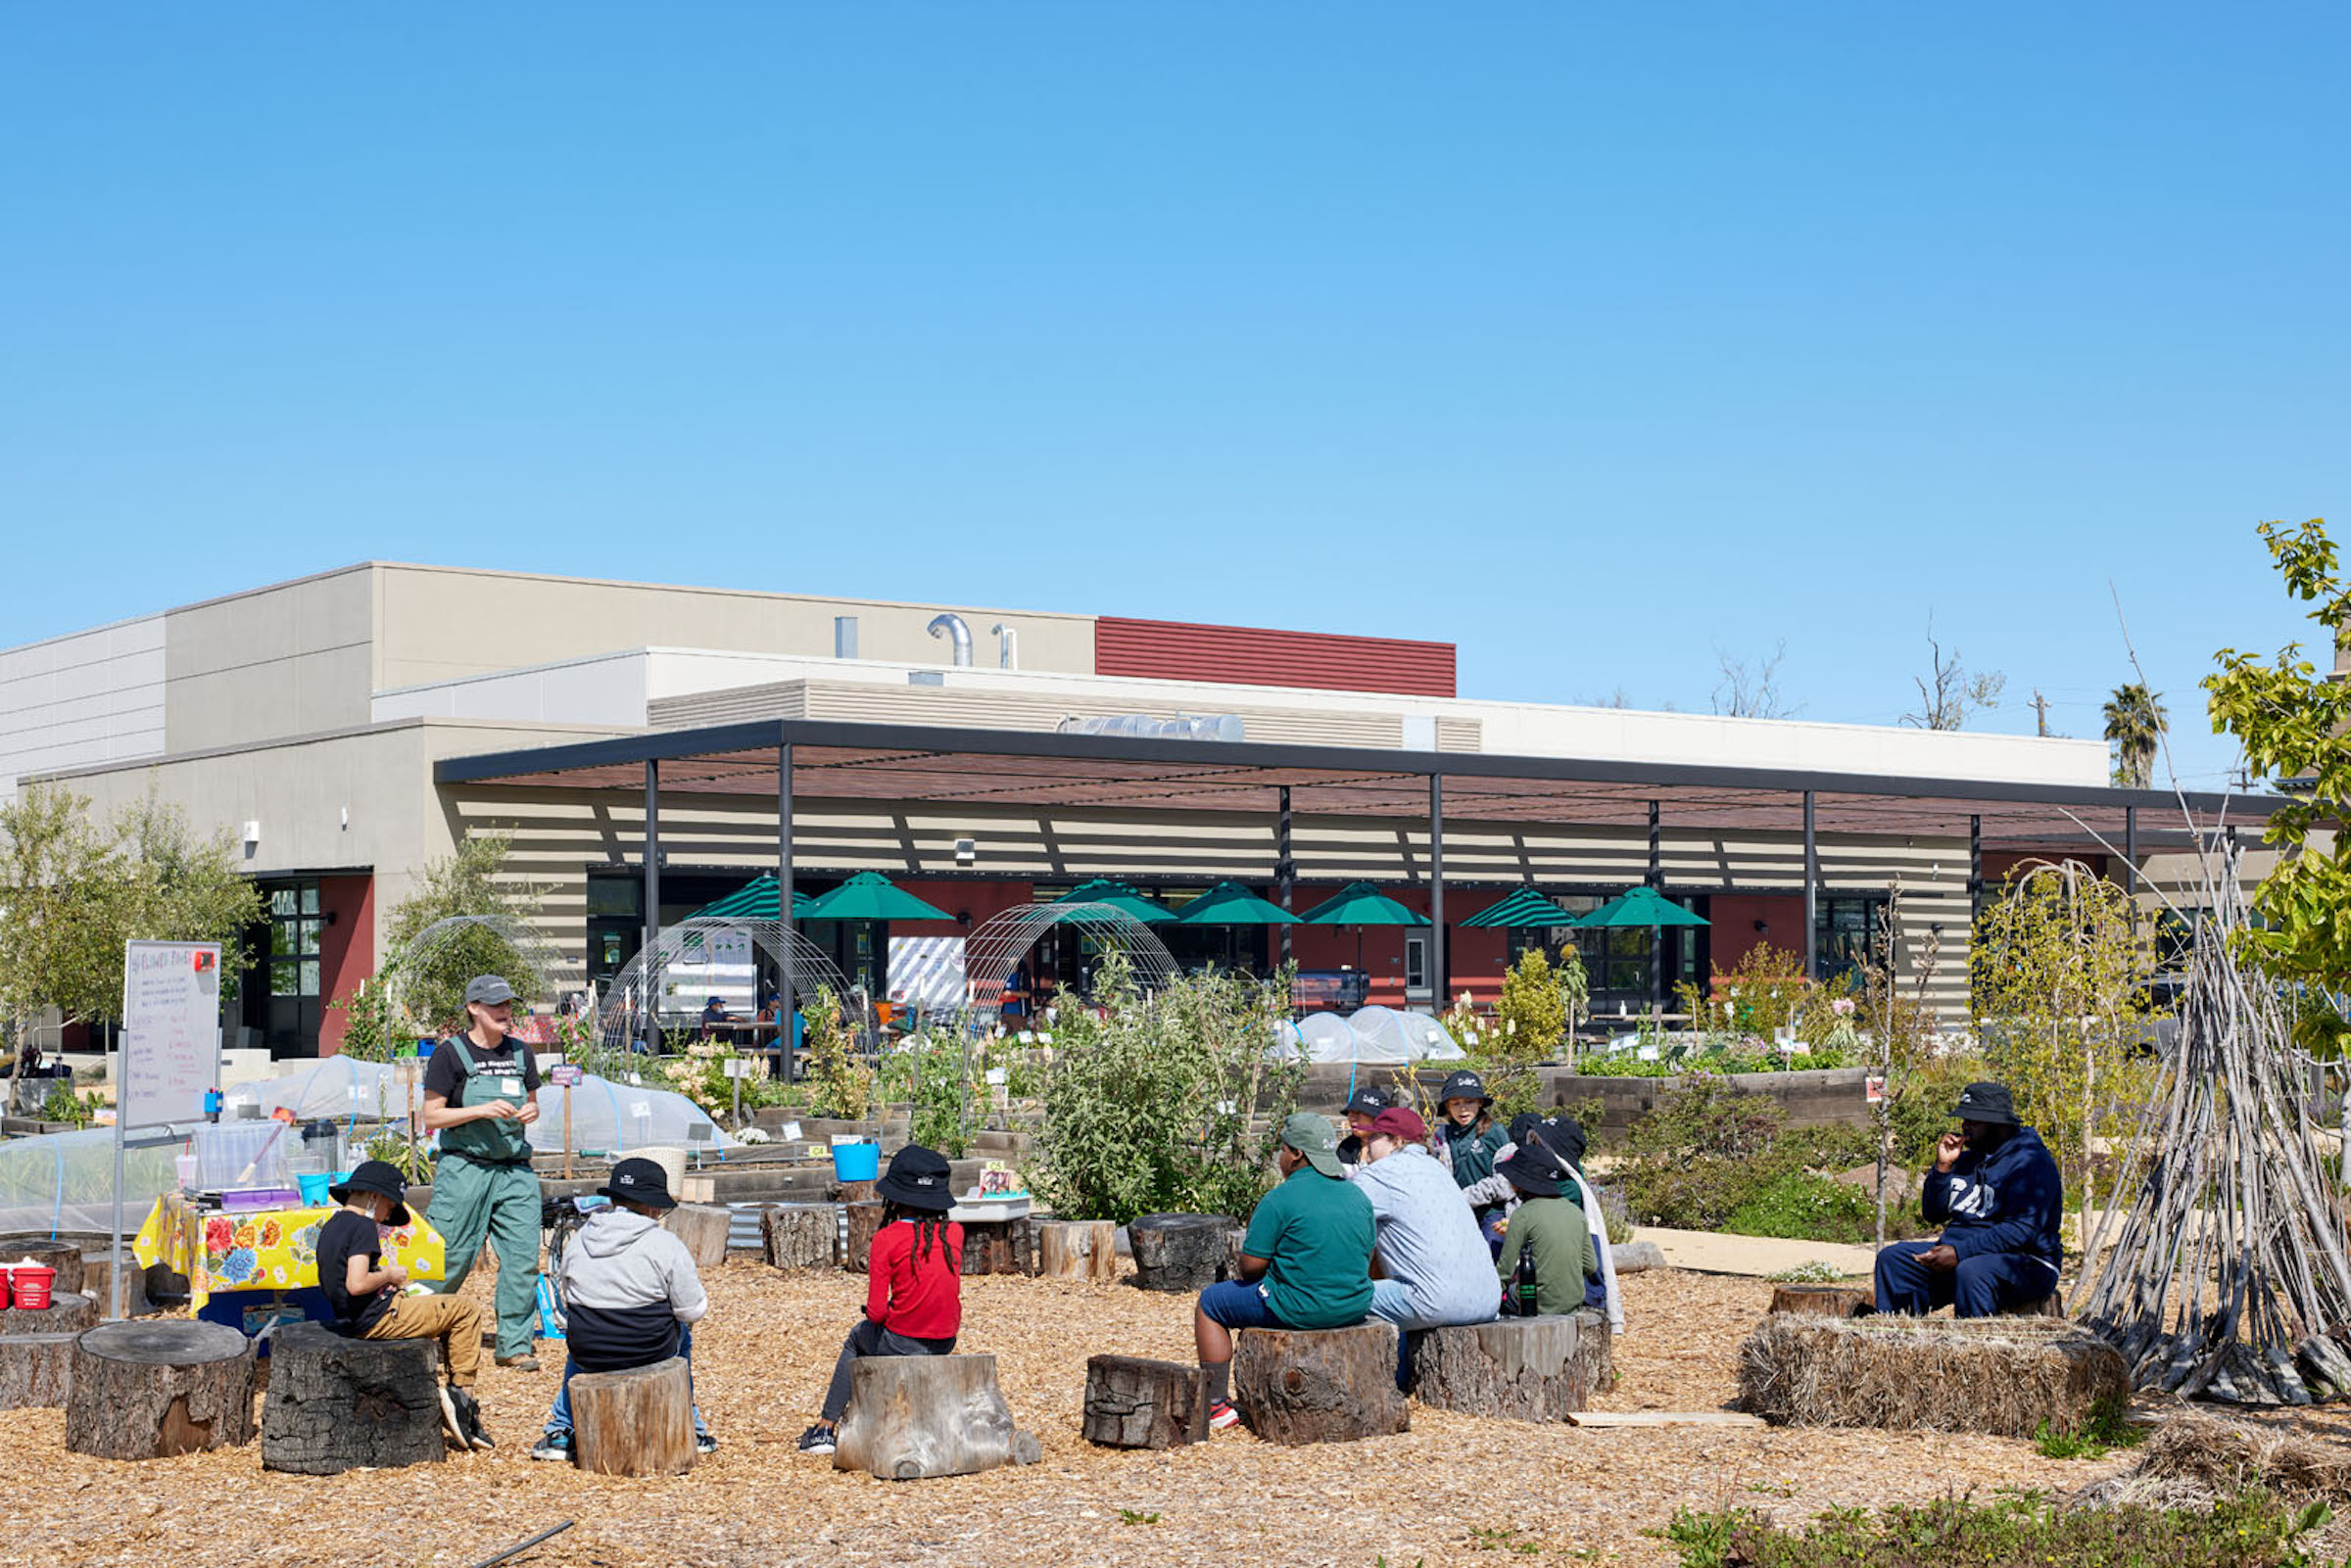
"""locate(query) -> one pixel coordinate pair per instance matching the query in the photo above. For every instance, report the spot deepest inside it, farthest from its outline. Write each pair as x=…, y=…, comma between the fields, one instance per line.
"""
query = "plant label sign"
x=170, y=1056
x=1873, y=1088
x=567, y=1074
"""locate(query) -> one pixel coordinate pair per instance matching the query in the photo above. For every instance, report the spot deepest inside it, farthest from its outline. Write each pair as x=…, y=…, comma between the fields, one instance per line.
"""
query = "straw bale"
x=1999, y=1376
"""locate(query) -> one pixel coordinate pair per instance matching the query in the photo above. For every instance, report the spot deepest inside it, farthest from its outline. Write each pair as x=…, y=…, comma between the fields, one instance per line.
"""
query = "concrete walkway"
x=1706, y=1252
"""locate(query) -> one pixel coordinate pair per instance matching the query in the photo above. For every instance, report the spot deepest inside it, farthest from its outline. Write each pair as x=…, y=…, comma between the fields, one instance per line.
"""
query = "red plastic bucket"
x=32, y=1287
x=6, y=1275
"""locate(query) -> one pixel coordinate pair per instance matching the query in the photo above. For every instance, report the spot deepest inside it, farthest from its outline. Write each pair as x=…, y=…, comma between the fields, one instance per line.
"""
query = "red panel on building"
x=1177, y=650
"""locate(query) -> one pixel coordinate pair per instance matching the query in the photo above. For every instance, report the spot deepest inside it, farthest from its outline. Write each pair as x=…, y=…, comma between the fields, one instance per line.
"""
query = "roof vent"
x=1151, y=727
x=957, y=632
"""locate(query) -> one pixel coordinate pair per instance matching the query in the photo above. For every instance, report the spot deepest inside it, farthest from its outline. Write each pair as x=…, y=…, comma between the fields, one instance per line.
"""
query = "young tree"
x=472, y=881
x=2134, y=726
x=2296, y=723
x=1893, y=1010
x=1949, y=691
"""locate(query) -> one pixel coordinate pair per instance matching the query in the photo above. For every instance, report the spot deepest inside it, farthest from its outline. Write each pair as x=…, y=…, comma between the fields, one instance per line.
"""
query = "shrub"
x=1807, y=1207
x=2016, y=1531
x=1532, y=1014
x=843, y=1085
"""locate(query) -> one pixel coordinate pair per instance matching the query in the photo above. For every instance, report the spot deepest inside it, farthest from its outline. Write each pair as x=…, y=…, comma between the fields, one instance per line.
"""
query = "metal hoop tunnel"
x=999, y=944
x=632, y=1003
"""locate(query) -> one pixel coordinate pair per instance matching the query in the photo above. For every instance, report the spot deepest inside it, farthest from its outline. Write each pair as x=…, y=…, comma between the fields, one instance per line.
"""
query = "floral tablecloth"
x=264, y=1248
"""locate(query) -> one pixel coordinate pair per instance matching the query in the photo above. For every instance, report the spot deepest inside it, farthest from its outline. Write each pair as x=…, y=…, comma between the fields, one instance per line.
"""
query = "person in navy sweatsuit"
x=1999, y=1193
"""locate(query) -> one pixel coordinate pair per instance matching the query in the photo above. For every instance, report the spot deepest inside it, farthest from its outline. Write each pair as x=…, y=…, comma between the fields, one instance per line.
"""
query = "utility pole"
x=2041, y=710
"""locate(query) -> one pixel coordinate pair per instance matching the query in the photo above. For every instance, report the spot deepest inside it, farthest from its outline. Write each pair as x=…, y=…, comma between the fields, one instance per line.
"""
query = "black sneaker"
x=451, y=1422
x=552, y=1445
x=704, y=1442
x=818, y=1438
x=469, y=1417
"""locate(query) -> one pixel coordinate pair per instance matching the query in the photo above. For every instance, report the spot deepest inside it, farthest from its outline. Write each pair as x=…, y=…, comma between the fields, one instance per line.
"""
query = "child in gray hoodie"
x=629, y=1291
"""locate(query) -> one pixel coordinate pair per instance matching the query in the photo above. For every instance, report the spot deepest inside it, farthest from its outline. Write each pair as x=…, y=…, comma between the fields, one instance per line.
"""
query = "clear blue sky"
x=1586, y=338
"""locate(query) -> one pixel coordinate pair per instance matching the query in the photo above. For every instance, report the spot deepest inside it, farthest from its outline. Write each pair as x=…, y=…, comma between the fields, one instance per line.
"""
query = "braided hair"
x=930, y=1228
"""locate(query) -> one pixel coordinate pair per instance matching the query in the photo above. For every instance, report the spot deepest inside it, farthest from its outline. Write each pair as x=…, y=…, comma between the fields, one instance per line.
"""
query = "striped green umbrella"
x=754, y=900
x=1641, y=906
x=1360, y=904
x=1526, y=909
x=870, y=895
x=1119, y=896
x=1231, y=904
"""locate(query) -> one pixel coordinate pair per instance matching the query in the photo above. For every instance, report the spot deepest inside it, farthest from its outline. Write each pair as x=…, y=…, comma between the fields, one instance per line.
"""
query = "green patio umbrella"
x=869, y=895
x=754, y=900
x=1231, y=904
x=1119, y=896
x=1641, y=906
x=1360, y=904
x=1524, y=909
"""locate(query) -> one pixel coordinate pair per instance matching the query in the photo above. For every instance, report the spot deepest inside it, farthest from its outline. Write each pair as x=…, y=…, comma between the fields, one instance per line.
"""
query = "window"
x=1844, y=931
x=1416, y=962
x=295, y=925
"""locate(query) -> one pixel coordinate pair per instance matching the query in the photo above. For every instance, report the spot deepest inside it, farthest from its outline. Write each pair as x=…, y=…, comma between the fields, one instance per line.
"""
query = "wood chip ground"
x=1572, y=1495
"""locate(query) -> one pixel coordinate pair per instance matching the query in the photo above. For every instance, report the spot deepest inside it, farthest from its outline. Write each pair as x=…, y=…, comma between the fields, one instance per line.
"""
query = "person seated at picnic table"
x=1470, y=1141
x=630, y=1294
x=1363, y=1107
x=1550, y=1228
x=715, y=1013
x=366, y=1296
x=1999, y=1196
x=1306, y=1258
x=913, y=1281
x=1430, y=1258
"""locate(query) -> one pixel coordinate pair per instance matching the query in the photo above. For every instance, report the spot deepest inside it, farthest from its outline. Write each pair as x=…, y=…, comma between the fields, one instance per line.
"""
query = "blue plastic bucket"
x=314, y=1187
x=856, y=1162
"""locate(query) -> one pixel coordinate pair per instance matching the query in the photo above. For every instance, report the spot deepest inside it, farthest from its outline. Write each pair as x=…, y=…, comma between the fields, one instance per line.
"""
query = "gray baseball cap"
x=1311, y=1136
x=488, y=989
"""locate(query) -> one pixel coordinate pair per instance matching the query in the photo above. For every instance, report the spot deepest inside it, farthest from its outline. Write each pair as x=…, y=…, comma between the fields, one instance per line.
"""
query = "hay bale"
x=2004, y=1377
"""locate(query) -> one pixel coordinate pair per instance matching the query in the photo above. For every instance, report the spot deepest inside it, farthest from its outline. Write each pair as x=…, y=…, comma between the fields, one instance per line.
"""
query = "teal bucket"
x=856, y=1162
x=314, y=1187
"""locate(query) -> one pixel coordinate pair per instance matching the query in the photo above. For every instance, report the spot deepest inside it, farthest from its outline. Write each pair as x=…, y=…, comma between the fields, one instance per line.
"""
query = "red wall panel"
x=346, y=951
x=1177, y=651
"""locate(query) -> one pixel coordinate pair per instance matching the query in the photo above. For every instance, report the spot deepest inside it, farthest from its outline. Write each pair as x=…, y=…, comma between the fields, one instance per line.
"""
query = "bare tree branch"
x=1752, y=690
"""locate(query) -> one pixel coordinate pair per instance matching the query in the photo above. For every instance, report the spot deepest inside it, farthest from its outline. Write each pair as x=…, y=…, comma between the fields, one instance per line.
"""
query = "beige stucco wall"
x=292, y=659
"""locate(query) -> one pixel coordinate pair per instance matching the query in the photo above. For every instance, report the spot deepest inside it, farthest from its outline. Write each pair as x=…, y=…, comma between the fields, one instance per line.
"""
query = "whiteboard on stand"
x=171, y=1049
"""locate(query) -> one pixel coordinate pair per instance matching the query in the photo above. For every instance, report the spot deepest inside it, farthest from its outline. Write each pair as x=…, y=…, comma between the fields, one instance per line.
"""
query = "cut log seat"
x=1331, y=1385
x=1181, y=1253
x=338, y=1404
x=36, y=1370
x=912, y=1417
x=703, y=1228
x=1131, y=1402
x=1824, y=1300
x=633, y=1423
x=156, y=1388
x=1523, y=1368
x=1082, y=1249
x=801, y=1235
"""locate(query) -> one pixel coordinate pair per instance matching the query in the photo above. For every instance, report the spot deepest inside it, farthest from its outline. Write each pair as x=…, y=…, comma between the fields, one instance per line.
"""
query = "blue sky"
x=1588, y=339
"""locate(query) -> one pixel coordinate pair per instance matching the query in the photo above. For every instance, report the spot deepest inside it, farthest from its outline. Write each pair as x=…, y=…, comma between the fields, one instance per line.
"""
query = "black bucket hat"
x=377, y=1176
x=1464, y=1086
x=1524, y=1126
x=639, y=1181
x=1532, y=1171
x=1564, y=1136
x=1988, y=1103
x=1369, y=1101
x=918, y=1178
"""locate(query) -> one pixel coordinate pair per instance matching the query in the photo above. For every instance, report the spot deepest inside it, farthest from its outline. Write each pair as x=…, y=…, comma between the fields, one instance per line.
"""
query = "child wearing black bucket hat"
x=1468, y=1142
x=366, y=1293
x=630, y=1296
x=914, y=1280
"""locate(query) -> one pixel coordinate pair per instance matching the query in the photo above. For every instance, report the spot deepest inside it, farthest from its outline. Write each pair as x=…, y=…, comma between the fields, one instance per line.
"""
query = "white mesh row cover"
x=605, y=1115
x=1374, y=1034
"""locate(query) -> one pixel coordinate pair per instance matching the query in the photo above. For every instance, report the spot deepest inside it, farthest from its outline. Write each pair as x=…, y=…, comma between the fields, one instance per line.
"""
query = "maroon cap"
x=1400, y=1121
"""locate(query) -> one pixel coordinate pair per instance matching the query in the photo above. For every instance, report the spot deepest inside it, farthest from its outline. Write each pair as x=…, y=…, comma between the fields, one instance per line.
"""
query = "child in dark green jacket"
x=1467, y=1141
x=1554, y=1231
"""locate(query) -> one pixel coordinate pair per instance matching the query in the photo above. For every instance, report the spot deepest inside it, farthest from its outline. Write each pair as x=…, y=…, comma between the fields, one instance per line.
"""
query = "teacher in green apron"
x=479, y=1096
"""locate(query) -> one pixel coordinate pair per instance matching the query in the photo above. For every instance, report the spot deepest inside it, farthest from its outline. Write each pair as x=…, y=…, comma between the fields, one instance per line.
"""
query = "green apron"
x=484, y=1190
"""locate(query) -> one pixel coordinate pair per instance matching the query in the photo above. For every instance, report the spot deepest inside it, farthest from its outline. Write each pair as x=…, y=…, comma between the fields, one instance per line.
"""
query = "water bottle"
x=1523, y=1285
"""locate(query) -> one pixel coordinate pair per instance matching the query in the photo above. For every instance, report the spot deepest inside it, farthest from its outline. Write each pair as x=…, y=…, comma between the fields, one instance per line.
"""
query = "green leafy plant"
x=1820, y=1272
x=1503, y=1537
x=939, y=1093
x=62, y=1104
x=372, y=1027
x=842, y=1084
x=1138, y=1516
x=414, y=1163
x=2018, y=1531
x=1167, y=1101
x=2103, y=1430
x=472, y=881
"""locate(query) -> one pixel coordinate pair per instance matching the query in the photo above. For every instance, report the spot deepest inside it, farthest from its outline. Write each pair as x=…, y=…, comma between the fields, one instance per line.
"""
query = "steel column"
x=1439, y=981
x=1657, y=936
x=1975, y=874
x=1811, y=893
x=1284, y=873
x=648, y=971
x=784, y=894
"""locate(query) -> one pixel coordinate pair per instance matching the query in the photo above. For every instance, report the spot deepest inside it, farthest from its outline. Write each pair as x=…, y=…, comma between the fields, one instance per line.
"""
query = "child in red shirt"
x=914, y=1280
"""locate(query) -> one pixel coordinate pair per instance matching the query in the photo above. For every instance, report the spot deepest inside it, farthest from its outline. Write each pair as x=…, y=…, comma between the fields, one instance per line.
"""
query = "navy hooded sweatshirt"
x=2005, y=1201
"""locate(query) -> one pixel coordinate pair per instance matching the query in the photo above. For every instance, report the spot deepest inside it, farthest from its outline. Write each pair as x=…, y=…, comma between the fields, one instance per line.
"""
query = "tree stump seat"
x=339, y=1404
x=1001, y=1247
x=1332, y=1384
x=145, y=1290
x=67, y=1312
x=156, y=1388
x=1825, y=1301
x=913, y=1418
x=65, y=1256
x=1133, y=1402
x=36, y=1370
x=1522, y=1368
x=2040, y=1307
x=1181, y=1252
x=637, y=1422
x=864, y=1220
x=703, y=1228
x=1080, y=1249
x=801, y=1235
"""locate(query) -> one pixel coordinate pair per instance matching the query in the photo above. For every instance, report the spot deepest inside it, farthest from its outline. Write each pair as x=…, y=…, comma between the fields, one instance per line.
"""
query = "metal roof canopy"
x=931, y=764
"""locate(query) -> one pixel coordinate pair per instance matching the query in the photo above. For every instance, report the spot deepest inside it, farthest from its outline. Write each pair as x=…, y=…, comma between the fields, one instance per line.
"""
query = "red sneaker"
x=1222, y=1415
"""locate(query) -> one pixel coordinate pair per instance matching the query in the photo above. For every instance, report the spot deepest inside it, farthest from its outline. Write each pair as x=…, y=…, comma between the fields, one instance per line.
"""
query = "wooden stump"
x=36, y=1370
x=1181, y=1252
x=865, y=1218
x=2045, y=1307
x=98, y=1271
x=1331, y=1385
x=1824, y=1300
x=151, y=1390
x=1004, y=1247
x=1135, y=1404
x=1523, y=1368
x=63, y=1255
x=65, y=1313
x=338, y=1404
x=803, y=1235
x=637, y=1422
x=912, y=1417
x=855, y=1192
x=703, y=1228
x=1084, y=1249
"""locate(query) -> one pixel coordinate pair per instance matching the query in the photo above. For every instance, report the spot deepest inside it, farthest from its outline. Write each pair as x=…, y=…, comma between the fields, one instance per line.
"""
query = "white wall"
x=81, y=700
x=608, y=690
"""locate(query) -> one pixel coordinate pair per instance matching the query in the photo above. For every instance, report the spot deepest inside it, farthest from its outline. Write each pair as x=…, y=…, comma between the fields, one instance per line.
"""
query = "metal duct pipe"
x=1008, y=645
x=953, y=628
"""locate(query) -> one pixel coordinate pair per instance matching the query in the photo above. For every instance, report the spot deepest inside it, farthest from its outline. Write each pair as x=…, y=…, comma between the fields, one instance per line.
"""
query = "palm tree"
x=2134, y=722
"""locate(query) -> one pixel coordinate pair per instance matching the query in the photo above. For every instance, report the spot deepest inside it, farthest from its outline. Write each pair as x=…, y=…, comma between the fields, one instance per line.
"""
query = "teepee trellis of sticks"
x=2229, y=1276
